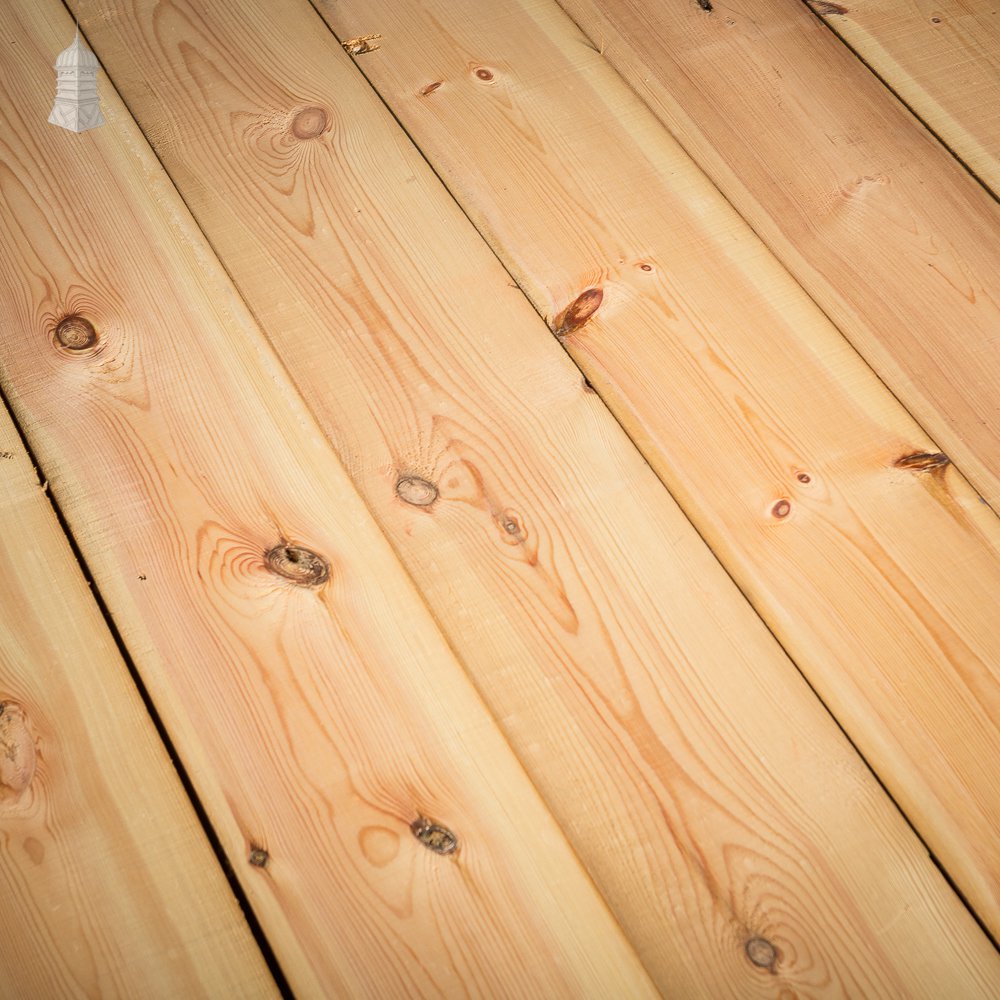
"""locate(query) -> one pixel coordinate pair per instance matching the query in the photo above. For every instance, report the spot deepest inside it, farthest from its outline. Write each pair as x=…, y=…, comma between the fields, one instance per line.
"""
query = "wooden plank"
x=109, y=885
x=886, y=231
x=743, y=395
x=383, y=830
x=942, y=57
x=664, y=726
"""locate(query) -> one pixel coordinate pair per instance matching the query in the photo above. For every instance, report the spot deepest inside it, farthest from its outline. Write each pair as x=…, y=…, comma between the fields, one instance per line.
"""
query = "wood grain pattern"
x=942, y=57
x=108, y=885
x=666, y=729
x=784, y=449
x=883, y=228
x=322, y=717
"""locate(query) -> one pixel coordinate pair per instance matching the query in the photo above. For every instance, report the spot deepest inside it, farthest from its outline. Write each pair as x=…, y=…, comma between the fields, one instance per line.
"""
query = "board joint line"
x=255, y=927
x=850, y=741
x=770, y=249
x=926, y=126
x=229, y=873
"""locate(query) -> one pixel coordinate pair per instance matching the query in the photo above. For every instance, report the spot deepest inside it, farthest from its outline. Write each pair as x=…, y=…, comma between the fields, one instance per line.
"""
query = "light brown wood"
x=327, y=726
x=883, y=228
x=942, y=57
x=665, y=727
x=108, y=886
x=882, y=572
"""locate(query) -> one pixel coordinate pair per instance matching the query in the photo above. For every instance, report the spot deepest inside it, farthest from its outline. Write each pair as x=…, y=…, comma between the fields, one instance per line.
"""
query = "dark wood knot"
x=435, y=838
x=578, y=312
x=300, y=565
x=75, y=333
x=923, y=461
x=824, y=8
x=259, y=857
x=512, y=526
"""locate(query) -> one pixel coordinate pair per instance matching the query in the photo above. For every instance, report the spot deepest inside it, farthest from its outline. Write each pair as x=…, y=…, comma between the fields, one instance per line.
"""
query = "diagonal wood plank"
x=108, y=883
x=677, y=745
x=381, y=826
x=745, y=399
x=886, y=231
x=942, y=57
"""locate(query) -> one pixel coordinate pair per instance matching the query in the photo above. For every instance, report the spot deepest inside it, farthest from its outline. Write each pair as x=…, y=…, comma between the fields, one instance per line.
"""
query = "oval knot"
x=761, y=952
x=18, y=754
x=435, y=838
x=578, y=312
x=75, y=333
x=923, y=461
x=416, y=491
x=300, y=565
x=310, y=123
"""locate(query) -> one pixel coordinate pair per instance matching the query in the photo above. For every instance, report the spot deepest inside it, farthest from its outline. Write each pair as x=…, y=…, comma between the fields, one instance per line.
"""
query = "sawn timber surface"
x=942, y=57
x=108, y=886
x=547, y=533
x=866, y=552
x=890, y=235
x=318, y=710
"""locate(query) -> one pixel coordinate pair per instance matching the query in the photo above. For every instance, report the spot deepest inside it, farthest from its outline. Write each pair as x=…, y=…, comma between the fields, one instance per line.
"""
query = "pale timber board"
x=942, y=57
x=666, y=729
x=316, y=722
x=881, y=582
x=890, y=235
x=108, y=884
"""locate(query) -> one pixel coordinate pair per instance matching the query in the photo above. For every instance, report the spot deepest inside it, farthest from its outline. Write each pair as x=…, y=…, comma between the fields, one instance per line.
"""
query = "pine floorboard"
x=888, y=232
x=108, y=884
x=505, y=530
x=369, y=805
x=942, y=57
x=407, y=386
x=784, y=449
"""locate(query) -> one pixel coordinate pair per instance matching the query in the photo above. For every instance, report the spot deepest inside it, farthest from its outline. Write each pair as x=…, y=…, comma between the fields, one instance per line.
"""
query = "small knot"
x=362, y=44
x=577, y=312
x=310, y=123
x=781, y=509
x=76, y=333
x=804, y=477
x=430, y=88
x=302, y=566
x=923, y=461
x=435, y=838
x=18, y=753
x=761, y=953
x=416, y=491
x=484, y=74
x=258, y=857
x=510, y=523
